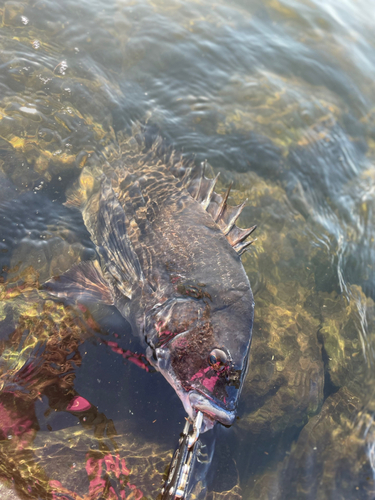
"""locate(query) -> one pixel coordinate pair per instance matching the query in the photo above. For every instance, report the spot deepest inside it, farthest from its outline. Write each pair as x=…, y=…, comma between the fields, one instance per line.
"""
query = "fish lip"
x=193, y=400
x=201, y=402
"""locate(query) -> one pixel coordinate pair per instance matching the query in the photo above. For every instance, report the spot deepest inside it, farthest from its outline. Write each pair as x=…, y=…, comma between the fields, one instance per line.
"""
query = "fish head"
x=201, y=346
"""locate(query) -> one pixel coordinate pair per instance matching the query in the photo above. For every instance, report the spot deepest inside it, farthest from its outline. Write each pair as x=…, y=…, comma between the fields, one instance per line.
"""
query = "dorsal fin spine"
x=208, y=198
x=234, y=218
x=191, y=176
x=186, y=178
x=203, y=167
x=242, y=247
x=223, y=204
x=243, y=234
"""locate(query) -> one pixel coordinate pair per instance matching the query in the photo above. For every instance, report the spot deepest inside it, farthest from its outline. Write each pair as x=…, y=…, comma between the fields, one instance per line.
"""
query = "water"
x=278, y=96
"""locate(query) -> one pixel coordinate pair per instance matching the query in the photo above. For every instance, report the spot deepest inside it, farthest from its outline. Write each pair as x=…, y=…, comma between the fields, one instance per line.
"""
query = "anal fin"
x=84, y=282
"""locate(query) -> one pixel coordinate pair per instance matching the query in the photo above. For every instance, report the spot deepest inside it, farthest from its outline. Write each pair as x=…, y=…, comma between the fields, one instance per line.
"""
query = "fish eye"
x=217, y=358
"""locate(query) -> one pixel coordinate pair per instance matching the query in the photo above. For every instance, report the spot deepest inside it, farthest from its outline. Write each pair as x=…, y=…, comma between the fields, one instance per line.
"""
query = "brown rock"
x=331, y=458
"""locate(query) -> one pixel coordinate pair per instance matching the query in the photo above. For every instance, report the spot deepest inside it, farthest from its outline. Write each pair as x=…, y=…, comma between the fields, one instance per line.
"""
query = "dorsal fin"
x=202, y=189
x=210, y=191
x=237, y=235
x=226, y=216
x=192, y=177
x=242, y=247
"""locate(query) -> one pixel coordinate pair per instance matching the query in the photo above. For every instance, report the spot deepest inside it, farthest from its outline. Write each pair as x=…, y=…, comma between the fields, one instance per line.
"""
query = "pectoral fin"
x=113, y=243
x=84, y=282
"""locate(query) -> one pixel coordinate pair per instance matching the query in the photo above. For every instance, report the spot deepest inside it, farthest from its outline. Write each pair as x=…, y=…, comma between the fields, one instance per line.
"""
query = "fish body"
x=169, y=260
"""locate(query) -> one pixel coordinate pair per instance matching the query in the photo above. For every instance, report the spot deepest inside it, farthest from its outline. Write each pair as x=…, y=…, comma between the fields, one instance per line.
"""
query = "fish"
x=169, y=259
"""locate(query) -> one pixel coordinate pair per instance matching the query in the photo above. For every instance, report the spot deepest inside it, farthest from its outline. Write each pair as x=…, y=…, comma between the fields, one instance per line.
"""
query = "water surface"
x=278, y=96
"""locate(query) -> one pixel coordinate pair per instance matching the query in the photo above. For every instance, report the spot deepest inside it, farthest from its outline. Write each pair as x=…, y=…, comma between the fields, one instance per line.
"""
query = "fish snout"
x=211, y=410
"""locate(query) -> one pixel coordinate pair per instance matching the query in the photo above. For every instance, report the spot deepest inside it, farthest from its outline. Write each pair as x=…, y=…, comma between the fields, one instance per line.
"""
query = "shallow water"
x=278, y=96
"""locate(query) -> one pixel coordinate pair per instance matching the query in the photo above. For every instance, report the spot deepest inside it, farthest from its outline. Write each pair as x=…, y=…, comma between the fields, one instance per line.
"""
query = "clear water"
x=279, y=97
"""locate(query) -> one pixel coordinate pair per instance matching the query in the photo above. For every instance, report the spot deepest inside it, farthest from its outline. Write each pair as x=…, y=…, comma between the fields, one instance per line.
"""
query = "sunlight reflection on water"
x=278, y=96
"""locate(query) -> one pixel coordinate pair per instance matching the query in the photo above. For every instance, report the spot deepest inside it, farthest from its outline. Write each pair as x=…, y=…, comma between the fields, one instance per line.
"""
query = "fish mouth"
x=193, y=400
x=211, y=411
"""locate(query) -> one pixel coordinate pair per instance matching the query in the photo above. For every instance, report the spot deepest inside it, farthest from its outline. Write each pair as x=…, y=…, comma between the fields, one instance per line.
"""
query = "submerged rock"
x=285, y=384
x=278, y=107
x=347, y=334
x=330, y=459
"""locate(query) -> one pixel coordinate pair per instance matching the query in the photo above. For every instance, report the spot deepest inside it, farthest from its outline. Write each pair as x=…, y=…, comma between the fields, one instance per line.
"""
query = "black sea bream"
x=169, y=260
